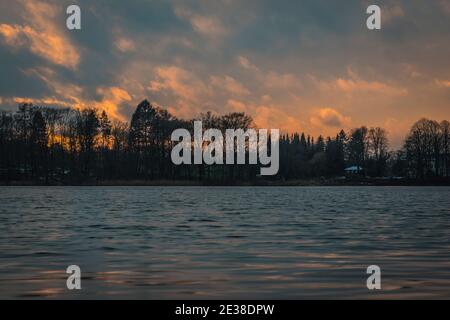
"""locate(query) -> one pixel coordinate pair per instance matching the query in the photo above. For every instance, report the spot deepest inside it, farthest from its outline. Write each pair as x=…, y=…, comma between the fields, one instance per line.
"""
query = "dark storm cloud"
x=13, y=80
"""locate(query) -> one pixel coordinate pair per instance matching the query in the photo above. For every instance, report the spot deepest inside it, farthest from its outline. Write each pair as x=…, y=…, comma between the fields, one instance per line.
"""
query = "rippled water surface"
x=220, y=242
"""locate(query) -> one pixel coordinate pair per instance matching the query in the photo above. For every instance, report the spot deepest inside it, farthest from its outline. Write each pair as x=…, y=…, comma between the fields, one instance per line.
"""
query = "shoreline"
x=259, y=183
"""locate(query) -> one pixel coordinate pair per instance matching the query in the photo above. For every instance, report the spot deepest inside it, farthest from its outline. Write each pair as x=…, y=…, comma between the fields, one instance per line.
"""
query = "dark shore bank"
x=269, y=183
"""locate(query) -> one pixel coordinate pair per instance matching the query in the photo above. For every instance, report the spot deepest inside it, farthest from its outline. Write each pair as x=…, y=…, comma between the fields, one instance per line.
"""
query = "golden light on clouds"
x=272, y=117
x=279, y=65
x=443, y=83
x=11, y=34
x=349, y=86
x=229, y=84
x=185, y=85
x=328, y=117
x=354, y=84
x=41, y=35
x=112, y=99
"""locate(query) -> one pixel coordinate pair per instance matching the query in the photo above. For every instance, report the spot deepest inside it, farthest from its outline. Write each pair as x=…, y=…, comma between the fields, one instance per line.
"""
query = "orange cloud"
x=41, y=35
x=270, y=79
x=23, y=100
x=328, y=117
x=355, y=85
x=230, y=85
x=349, y=86
x=283, y=81
x=442, y=83
x=70, y=95
x=271, y=117
x=182, y=83
x=189, y=94
x=237, y=106
x=113, y=98
x=46, y=101
x=11, y=34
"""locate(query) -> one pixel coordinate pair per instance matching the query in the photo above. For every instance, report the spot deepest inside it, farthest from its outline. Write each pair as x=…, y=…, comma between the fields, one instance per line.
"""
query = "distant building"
x=353, y=170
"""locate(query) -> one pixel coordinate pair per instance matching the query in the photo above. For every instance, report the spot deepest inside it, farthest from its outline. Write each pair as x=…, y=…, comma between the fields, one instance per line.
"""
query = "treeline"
x=68, y=146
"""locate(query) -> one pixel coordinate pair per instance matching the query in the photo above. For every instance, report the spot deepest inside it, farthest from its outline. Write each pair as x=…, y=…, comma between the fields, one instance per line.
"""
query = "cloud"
x=125, y=45
x=41, y=35
x=180, y=82
x=442, y=83
x=236, y=106
x=272, y=80
x=267, y=116
x=230, y=85
x=246, y=64
x=282, y=64
x=68, y=92
x=45, y=101
x=354, y=84
x=331, y=118
x=272, y=117
x=112, y=99
x=209, y=26
x=445, y=5
x=187, y=93
x=283, y=81
x=411, y=71
x=350, y=85
x=12, y=35
x=390, y=13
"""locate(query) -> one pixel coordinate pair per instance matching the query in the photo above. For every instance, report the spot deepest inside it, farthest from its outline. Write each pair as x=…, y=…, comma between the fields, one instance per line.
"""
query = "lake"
x=224, y=242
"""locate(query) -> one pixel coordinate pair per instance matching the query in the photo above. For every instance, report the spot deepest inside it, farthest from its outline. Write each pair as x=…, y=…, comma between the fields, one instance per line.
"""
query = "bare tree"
x=357, y=147
x=378, y=144
x=445, y=141
x=423, y=147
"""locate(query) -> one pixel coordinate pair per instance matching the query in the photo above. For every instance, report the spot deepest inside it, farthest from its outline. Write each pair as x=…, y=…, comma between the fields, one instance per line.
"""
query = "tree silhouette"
x=66, y=146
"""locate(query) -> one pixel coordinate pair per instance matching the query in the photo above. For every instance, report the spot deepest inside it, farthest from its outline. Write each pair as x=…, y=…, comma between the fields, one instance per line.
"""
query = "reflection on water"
x=171, y=242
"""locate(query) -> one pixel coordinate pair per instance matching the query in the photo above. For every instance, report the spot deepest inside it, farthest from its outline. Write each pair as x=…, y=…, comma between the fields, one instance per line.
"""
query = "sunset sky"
x=308, y=66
